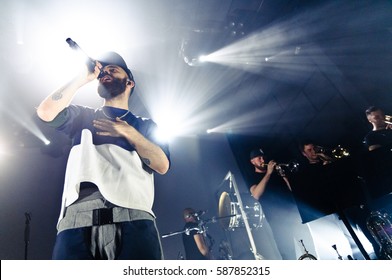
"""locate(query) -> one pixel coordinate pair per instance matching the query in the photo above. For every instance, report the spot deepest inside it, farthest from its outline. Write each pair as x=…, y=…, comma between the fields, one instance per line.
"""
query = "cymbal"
x=225, y=209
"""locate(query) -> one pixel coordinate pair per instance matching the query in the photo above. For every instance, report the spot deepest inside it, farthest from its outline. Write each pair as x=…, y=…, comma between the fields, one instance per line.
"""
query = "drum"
x=230, y=213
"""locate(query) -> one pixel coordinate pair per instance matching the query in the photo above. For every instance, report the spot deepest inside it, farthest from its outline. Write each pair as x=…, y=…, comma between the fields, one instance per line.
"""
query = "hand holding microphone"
x=90, y=63
x=88, y=60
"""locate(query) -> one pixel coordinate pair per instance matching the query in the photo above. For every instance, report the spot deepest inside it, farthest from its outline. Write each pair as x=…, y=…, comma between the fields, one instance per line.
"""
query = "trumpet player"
x=271, y=187
x=381, y=133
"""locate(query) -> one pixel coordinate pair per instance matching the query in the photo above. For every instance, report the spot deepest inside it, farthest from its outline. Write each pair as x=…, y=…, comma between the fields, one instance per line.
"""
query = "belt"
x=102, y=216
x=93, y=213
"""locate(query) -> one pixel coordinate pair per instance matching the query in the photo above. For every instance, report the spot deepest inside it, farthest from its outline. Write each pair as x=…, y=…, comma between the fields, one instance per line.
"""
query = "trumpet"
x=291, y=166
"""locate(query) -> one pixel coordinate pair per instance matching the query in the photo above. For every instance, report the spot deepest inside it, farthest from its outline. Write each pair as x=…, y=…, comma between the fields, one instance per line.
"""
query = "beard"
x=261, y=169
x=112, y=89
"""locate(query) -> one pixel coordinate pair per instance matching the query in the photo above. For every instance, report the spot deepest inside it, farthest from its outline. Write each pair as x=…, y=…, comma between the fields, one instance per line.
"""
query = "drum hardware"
x=336, y=250
x=339, y=256
x=233, y=186
x=225, y=252
x=230, y=212
x=187, y=231
x=306, y=256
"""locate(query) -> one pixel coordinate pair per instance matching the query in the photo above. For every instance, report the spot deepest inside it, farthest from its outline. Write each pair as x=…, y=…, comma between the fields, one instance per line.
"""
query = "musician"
x=194, y=241
x=311, y=185
x=376, y=163
x=381, y=133
x=272, y=188
x=326, y=188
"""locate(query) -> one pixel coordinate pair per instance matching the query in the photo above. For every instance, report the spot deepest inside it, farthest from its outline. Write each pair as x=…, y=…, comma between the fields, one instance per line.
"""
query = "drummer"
x=270, y=186
x=194, y=240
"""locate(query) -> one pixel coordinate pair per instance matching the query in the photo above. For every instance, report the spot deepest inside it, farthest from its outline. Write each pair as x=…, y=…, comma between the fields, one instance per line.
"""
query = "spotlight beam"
x=282, y=41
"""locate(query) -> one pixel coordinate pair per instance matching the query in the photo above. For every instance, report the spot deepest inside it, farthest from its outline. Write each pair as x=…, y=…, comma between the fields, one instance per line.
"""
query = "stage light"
x=194, y=48
x=167, y=130
x=203, y=58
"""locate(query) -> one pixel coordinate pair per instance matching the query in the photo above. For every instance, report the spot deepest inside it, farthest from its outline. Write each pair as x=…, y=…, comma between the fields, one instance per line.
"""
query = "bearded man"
x=108, y=192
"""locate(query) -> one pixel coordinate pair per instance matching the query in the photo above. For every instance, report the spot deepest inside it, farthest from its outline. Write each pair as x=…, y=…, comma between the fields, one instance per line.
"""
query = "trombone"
x=337, y=153
x=388, y=119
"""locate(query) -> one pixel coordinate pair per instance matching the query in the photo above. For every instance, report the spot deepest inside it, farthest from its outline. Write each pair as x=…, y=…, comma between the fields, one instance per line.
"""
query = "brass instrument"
x=340, y=152
x=388, y=119
x=380, y=226
x=291, y=166
x=335, y=153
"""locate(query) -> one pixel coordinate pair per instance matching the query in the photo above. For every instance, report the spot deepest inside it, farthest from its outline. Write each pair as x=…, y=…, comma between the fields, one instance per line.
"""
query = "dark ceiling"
x=295, y=69
x=328, y=61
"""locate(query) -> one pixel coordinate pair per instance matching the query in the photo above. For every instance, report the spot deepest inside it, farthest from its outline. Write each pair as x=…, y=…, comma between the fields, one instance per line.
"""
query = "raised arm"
x=52, y=105
x=258, y=190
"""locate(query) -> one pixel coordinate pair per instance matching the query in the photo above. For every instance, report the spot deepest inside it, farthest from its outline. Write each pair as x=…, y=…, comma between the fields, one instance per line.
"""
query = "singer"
x=108, y=193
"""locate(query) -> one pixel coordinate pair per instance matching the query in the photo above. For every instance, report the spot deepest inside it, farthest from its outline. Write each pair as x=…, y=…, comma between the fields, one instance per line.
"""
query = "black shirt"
x=381, y=137
x=191, y=250
x=277, y=199
x=321, y=190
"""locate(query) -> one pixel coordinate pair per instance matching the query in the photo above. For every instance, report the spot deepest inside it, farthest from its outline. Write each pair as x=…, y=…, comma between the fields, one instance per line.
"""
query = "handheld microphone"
x=89, y=61
x=72, y=44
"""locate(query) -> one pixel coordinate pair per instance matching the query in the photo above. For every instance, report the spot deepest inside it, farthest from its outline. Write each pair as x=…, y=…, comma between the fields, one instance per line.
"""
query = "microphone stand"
x=27, y=233
x=335, y=248
x=186, y=231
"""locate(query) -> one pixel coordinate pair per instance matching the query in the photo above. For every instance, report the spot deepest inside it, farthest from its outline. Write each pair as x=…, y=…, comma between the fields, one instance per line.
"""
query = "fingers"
x=272, y=163
x=271, y=166
x=110, y=128
x=104, y=127
x=102, y=124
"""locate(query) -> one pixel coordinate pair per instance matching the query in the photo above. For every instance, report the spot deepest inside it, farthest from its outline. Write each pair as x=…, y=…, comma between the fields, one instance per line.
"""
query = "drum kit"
x=236, y=210
x=229, y=215
x=230, y=211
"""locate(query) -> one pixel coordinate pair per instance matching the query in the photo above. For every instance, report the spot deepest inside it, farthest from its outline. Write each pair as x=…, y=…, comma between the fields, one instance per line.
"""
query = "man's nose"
x=102, y=74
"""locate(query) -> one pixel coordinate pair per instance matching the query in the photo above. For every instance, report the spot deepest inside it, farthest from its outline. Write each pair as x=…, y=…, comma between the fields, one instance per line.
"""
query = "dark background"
x=328, y=61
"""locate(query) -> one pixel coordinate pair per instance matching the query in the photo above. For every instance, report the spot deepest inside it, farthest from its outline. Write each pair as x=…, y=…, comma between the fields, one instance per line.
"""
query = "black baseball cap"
x=113, y=58
x=256, y=153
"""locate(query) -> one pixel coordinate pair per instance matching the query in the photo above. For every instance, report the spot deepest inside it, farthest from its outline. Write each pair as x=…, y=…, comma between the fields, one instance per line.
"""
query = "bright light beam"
x=178, y=99
x=20, y=115
x=277, y=45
